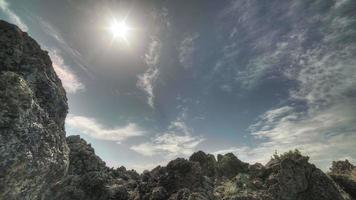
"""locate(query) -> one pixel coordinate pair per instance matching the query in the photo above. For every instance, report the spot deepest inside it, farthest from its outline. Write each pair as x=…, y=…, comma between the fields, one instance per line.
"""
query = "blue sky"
x=248, y=76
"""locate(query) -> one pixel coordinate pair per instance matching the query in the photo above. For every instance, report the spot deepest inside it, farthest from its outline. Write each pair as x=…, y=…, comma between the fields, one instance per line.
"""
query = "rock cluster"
x=38, y=162
x=286, y=177
x=89, y=178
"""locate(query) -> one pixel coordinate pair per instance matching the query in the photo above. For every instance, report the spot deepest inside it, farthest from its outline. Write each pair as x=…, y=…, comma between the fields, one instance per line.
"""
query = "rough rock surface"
x=38, y=162
x=33, y=107
x=229, y=166
x=344, y=173
x=206, y=161
x=286, y=177
x=89, y=178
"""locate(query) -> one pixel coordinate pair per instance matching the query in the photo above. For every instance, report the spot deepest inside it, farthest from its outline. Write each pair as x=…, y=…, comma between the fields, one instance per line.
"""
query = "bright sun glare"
x=119, y=29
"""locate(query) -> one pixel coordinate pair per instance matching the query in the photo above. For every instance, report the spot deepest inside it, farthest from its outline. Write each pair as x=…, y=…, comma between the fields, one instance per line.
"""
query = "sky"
x=251, y=77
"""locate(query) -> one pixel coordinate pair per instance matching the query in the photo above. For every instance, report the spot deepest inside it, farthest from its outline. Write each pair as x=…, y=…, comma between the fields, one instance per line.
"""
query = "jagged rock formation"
x=38, y=162
x=33, y=107
x=344, y=173
x=286, y=177
x=88, y=177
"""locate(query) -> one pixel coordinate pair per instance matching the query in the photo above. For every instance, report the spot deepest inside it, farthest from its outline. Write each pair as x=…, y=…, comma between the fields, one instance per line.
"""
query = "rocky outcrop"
x=38, y=162
x=89, y=178
x=33, y=107
x=206, y=161
x=285, y=177
x=344, y=174
x=82, y=157
x=178, y=179
x=229, y=166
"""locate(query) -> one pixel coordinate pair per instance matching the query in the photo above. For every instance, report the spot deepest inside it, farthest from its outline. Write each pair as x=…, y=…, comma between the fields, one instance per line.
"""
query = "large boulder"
x=180, y=179
x=33, y=105
x=82, y=157
x=229, y=165
x=291, y=177
x=207, y=162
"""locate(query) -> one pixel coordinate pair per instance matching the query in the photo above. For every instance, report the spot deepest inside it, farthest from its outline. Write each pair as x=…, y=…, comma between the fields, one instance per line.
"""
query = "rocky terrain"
x=38, y=162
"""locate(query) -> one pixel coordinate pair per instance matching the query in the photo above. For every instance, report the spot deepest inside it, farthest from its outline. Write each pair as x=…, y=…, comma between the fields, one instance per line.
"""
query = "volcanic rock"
x=344, y=174
x=229, y=165
x=33, y=105
x=206, y=161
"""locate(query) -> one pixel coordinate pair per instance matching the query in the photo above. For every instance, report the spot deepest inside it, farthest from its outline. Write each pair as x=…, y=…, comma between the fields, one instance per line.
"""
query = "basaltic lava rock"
x=344, y=173
x=33, y=107
x=38, y=162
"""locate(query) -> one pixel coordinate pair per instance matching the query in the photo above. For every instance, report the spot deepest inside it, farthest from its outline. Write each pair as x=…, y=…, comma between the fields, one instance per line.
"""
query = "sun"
x=119, y=29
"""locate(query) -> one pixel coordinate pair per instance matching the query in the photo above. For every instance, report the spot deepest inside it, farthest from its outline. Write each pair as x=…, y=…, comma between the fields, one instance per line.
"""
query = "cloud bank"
x=177, y=141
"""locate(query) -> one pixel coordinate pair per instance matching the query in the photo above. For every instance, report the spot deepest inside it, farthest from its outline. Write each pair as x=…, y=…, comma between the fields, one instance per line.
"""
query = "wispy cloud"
x=177, y=141
x=62, y=44
x=326, y=128
x=319, y=117
x=326, y=77
x=325, y=136
x=186, y=50
x=96, y=130
x=4, y=6
x=69, y=80
x=147, y=80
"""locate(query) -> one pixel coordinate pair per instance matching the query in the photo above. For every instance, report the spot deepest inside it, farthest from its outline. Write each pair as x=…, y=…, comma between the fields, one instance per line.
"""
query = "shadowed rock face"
x=89, y=178
x=82, y=157
x=33, y=107
x=38, y=162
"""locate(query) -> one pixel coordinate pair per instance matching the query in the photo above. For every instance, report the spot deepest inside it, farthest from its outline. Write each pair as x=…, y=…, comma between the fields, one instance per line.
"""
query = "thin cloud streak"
x=55, y=34
x=4, y=6
x=186, y=50
x=147, y=81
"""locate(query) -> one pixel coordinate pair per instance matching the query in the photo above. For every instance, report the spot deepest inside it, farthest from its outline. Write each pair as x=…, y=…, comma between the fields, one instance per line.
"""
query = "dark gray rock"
x=82, y=157
x=229, y=165
x=291, y=177
x=88, y=177
x=344, y=174
x=159, y=193
x=33, y=105
x=206, y=161
x=182, y=194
